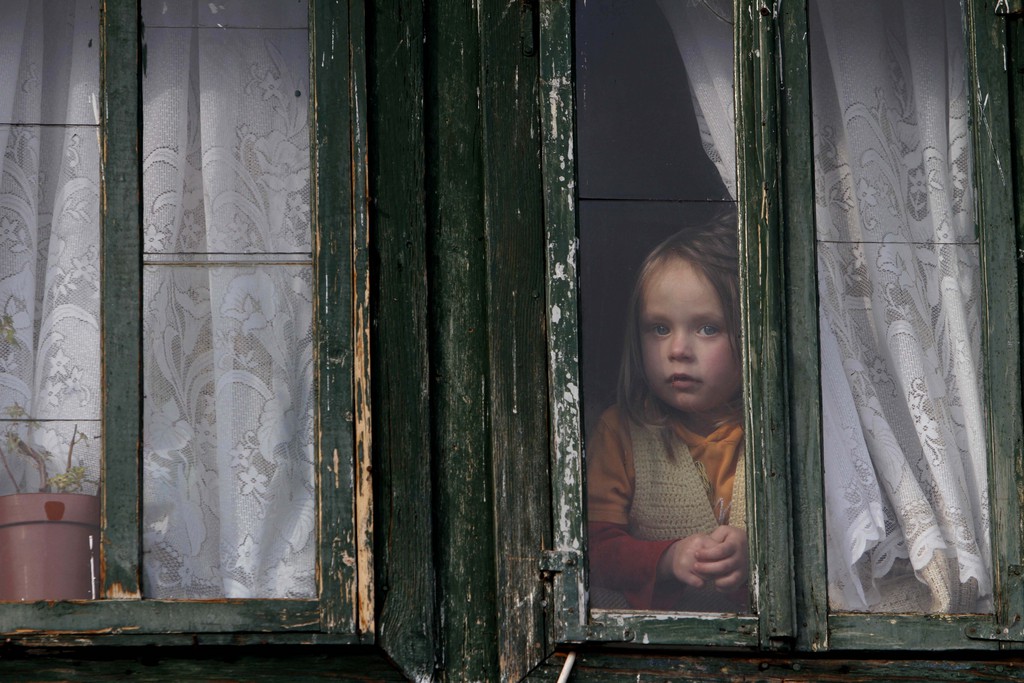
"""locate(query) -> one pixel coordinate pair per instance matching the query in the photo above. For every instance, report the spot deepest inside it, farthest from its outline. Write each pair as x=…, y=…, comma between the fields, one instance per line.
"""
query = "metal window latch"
x=1013, y=633
x=564, y=569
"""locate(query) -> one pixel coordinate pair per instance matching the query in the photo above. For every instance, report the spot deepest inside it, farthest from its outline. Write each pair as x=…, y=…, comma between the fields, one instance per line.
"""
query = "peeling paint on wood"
x=761, y=286
x=556, y=58
x=118, y=592
x=362, y=398
x=339, y=269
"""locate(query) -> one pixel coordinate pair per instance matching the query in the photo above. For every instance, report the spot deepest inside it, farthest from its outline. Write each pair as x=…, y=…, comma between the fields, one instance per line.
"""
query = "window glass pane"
x=661, y=369
x=229, y=505
x=49, y=296
x=643, y=125
x=898, y=267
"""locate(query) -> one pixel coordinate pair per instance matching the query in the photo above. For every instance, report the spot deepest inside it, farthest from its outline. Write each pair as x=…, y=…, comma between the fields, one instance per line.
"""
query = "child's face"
x=688, y=360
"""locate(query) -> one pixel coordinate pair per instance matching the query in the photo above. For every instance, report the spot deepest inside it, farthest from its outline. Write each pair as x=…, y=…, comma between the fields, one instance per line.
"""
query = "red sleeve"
x=619, y=561
x=625, y=563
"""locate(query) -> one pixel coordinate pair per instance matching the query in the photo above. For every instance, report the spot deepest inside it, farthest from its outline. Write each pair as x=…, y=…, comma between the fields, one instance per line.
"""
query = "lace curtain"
x=898, y=268
x=228, y=355
x=228, y=497
x=905, y=462
x=49, y=235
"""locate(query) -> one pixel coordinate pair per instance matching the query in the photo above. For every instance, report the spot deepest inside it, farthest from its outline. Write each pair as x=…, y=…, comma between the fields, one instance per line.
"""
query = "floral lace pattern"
x=49, y=232
x=229, y=504
x=898, y=269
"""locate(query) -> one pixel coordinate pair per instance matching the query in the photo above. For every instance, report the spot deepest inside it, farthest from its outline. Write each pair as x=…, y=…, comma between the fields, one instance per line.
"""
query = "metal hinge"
x=1006, y=634
x=564, y=569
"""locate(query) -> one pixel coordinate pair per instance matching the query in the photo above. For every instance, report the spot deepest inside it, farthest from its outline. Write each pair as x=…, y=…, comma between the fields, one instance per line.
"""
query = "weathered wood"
x=903, y=632
x=121, y=307
x=261, y=662
x=1001, y=327
x=646, y=628
x=362, y=315
x=802, y=346
x=1016, y=42
x=334, y=276
x=454, y=178
x=127, y=645
x=458, y=332
x=408, y=623
x=158, y=616
x=566, y=443
x=766, y=667
x=518, y=410
x=762, y=286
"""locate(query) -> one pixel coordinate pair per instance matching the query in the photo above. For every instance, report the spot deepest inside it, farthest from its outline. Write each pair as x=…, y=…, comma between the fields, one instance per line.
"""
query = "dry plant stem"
x=71, y=447
x=7, y=467
x=39, y=460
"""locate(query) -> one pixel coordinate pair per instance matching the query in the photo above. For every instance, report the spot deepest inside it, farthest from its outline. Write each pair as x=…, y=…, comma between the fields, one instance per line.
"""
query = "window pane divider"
x=342, y=318
x=121, y=304
x=559, y=170
x=987, y=53
x=803, y=345
x=761, y=291
x=128, y=617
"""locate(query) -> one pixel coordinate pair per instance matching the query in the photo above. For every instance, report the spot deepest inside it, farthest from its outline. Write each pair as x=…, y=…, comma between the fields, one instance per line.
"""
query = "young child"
x=665, y=490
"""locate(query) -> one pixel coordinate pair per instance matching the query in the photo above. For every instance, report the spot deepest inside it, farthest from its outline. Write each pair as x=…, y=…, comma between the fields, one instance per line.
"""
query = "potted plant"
x=49, y=527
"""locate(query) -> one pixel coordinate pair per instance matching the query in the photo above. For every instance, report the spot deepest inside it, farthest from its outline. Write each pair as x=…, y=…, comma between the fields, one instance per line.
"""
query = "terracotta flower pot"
x=49, y=545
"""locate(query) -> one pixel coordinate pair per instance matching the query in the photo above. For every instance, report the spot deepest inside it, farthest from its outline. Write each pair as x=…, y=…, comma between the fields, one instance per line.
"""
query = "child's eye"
x=660, y=330
x=709, y=330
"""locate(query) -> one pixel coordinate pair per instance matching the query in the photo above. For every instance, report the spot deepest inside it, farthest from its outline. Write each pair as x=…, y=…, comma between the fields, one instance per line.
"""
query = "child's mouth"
x=682, y=381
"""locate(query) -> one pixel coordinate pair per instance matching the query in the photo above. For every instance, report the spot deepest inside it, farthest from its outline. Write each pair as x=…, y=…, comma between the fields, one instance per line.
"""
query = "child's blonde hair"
x=712, y=249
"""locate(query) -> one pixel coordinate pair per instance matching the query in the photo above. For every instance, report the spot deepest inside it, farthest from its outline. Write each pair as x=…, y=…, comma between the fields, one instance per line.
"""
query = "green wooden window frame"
x=781, y=376
x=343, y=612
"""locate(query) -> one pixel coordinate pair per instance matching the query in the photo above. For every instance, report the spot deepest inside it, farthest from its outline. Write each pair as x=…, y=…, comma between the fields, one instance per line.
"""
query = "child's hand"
x=725, y=562
x=720, y=557
x=679, y=562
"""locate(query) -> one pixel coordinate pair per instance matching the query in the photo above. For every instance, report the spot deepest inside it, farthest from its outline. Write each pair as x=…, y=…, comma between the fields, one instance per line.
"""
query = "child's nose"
x=681, y=347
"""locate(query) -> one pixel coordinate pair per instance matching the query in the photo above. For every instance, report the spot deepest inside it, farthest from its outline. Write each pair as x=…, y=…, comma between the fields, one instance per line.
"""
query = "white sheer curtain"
x=905, y=462
x=898, y=266
x=229, y=499
x=228, y=496
x=703, y=32
x=49, y=232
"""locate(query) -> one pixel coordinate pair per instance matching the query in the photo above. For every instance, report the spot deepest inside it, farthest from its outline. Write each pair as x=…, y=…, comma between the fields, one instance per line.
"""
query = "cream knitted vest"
x=669, y=495
x=670, y=501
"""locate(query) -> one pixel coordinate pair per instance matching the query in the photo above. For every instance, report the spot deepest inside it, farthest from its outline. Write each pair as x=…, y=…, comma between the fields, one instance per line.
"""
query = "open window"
x=184, y=294
x=880, y=330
